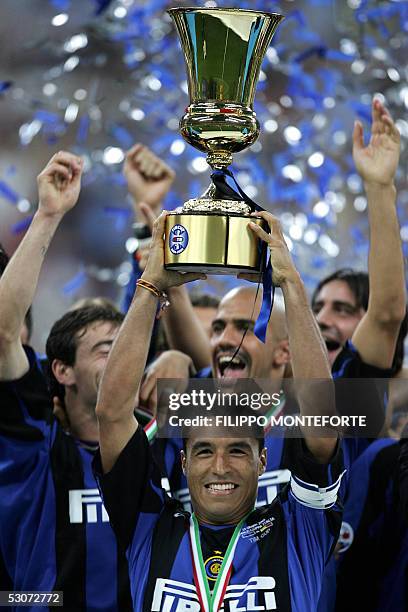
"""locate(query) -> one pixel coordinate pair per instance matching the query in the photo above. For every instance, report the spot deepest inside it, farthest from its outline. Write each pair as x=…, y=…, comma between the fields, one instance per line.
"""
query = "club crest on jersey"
x=212, y=565
x=178, y=239
x=257, y=531
x=346, y=537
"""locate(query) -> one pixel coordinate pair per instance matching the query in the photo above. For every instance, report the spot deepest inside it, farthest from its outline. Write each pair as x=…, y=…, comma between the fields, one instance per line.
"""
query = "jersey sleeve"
x=348, y=364
x=313, y=519
x=361, y=390
x=314, y=485
x=131, y=491
x=25, y=404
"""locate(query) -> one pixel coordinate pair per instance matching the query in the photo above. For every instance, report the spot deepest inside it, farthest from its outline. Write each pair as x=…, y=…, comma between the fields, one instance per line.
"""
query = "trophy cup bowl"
x=223, y=50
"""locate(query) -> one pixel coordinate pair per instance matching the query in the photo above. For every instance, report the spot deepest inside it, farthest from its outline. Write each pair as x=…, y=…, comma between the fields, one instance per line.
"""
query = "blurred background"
x=96, y=76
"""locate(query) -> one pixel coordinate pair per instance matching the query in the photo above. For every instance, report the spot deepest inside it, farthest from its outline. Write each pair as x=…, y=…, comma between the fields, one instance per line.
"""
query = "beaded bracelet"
x=161, y=295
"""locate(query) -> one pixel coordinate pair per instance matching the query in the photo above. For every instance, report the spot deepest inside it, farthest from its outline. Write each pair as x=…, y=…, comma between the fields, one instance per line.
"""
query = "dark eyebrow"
x=336, y=303
x=243, y=322
x=241, y=445
x=200, y=446
x=347, y=304
x=101, y=343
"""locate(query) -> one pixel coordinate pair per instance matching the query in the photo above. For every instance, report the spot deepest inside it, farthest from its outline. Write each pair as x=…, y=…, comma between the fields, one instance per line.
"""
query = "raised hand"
x=59, y=183
x=283, y=268
x=378, y=161
x=148, y=177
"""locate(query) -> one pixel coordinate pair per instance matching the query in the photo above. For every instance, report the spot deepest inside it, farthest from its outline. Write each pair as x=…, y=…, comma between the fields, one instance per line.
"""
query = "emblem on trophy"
x=223, y=50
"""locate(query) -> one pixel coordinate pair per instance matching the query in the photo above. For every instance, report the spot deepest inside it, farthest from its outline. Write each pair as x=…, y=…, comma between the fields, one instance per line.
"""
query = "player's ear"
x=281, y=354
x=262, y=461
x=183, y=461
x=63, y=373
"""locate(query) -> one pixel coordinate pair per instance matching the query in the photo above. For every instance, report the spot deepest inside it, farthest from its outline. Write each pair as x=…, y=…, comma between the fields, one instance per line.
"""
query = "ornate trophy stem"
x=223, y=49
x=219, y=159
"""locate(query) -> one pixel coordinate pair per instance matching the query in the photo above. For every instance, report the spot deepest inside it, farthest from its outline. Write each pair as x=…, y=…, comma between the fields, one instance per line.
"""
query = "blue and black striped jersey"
x=374, y=537
x=280, y=556
x=54, y=529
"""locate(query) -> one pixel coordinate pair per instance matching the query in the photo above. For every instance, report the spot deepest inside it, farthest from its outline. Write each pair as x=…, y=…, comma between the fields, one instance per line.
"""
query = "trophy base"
x=212, y=243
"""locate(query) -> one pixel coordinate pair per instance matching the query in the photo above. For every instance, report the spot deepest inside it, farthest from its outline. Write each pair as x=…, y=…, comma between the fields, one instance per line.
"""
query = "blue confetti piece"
x=121, y=134
x=8, y=193
x=47, y=117
x=298, y=16
x=75, y=283
x=339, y=56
x=101, y=6
x=117, y=211
x=52, y=140
x=83, y=129
x=61, y=5
x=319, y=50
x=362, y=110
x=21, y=226
x=118, y=179
x=120, y=216
x=319, y=262
x=5, y=85
x=172, y=200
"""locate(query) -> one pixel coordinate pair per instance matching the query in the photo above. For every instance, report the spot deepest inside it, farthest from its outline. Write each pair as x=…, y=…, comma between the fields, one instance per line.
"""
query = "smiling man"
x=224, y=554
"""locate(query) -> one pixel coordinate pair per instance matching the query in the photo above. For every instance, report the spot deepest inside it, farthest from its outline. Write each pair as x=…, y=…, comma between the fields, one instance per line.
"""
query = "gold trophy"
x=223, y=49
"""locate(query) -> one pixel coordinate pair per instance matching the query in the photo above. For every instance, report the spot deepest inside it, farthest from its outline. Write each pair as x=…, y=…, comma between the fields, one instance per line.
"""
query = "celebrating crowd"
x=94, y=505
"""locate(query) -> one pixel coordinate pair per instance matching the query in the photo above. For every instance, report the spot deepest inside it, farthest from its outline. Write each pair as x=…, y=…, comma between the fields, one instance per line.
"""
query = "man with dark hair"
x=345, y=307
x=272, y=558
x=54, y=531
x=339, y=302
x=74, y=360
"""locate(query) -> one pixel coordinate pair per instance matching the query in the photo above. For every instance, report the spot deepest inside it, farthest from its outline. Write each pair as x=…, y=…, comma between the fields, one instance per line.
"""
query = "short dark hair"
x=63, y=338
x=357, y=282
x=204, y=300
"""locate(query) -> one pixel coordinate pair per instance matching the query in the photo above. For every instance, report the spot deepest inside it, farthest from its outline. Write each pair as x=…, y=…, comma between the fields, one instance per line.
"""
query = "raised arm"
x=149, y=179
x=376, y=334
x=127, y=358
x=308, y=351
x=58, y=189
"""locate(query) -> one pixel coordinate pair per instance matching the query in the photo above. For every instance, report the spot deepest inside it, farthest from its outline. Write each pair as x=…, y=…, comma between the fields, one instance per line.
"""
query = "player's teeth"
x=221, y=487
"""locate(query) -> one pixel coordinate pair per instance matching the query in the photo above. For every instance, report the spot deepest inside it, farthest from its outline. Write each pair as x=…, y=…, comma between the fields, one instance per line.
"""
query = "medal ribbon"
x=211, y=602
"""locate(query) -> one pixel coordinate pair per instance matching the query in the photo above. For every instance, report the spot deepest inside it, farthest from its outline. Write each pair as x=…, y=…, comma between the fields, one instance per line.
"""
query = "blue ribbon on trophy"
x=228, y=188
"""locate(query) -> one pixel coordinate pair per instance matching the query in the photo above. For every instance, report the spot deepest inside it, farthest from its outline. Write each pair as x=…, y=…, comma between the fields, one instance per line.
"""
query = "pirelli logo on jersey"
x=269, y=485
x=256, y=595
x=86, y=506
